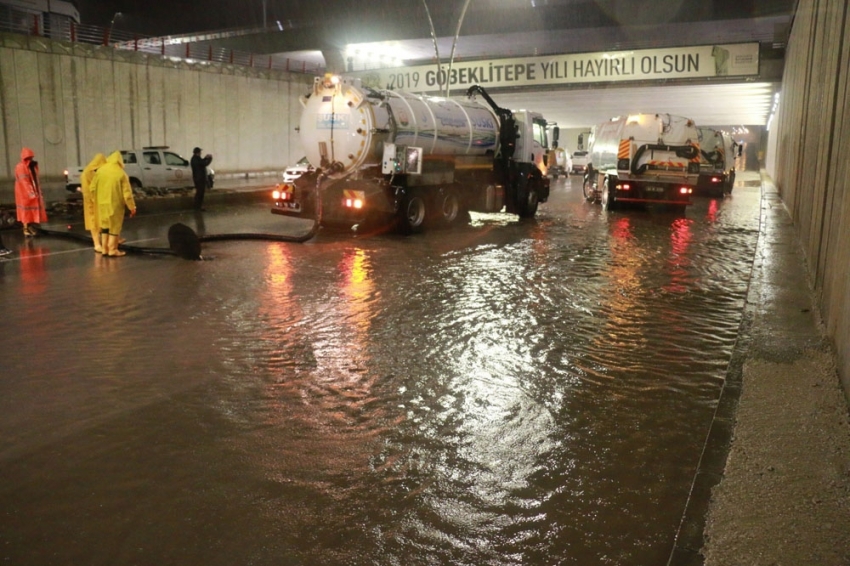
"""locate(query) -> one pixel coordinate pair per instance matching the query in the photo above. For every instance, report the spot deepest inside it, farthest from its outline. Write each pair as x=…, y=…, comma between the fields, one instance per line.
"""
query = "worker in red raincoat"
x=28, y=197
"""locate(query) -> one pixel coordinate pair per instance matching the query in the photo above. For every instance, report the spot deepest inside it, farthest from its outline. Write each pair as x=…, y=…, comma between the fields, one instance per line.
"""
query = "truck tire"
x=607, y=199
x=588, y=190
x=412, y=213
x=730, y=184
x=448, y=208
x=135, y=184
x=530, y=201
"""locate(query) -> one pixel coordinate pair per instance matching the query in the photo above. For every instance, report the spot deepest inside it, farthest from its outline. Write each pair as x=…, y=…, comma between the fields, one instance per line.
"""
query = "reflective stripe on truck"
x=624, y=150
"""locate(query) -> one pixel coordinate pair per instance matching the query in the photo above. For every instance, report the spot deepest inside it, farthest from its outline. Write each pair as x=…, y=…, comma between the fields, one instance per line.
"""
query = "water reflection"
x=679, y=261
x=32, y=258
x=475, y=433
x=507, y=393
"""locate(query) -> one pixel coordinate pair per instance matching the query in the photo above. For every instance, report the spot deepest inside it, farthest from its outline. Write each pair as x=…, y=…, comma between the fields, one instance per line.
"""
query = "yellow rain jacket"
x=89, y=205
x=112, y=192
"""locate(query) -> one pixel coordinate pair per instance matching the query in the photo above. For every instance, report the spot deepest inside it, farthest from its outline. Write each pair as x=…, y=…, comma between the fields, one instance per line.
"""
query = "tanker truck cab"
x=643, y=158
x=396, y=159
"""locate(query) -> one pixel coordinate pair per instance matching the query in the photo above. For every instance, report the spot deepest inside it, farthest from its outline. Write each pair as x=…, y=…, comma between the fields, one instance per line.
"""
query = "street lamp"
x=108, y=35
x=454, y=44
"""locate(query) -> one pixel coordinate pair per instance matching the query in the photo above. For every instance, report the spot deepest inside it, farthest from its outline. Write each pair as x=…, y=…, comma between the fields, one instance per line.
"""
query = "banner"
x=705, y=61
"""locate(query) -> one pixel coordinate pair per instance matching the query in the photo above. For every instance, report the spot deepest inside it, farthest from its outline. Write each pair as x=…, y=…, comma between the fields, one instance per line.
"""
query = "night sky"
x=157, y=17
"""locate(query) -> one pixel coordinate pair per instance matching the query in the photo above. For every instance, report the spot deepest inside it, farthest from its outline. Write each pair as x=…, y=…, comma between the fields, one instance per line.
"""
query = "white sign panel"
x=706, y=61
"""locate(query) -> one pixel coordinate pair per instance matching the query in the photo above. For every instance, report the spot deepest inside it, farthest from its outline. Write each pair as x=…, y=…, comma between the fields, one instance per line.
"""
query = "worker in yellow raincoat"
x=90, y=214
x=112, y=192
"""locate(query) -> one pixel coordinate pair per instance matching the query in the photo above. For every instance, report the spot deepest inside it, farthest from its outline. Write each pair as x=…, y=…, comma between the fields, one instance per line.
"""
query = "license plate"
x=293, y=206
x=655, y=189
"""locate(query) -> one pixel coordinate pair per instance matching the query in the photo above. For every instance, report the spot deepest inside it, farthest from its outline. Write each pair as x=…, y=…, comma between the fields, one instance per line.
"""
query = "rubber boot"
x=113, y=247
x=98, y=243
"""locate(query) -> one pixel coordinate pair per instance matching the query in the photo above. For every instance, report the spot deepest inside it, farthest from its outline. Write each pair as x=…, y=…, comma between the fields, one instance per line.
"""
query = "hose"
x=183, y=241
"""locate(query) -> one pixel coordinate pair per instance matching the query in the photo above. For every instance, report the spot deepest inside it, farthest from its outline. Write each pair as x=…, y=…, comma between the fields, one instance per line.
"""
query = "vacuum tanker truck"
x=391, y=158
x=643, y=158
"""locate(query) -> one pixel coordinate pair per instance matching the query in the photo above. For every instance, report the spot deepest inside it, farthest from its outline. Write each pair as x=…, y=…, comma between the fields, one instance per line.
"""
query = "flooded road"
x=505, y=393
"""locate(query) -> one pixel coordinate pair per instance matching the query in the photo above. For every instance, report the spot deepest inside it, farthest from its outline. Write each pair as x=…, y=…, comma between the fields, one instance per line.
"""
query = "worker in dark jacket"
x=199, y=176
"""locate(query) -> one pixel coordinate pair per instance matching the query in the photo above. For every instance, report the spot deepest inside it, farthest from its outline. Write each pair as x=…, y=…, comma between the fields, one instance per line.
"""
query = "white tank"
x=344, y=126
x=654, y=144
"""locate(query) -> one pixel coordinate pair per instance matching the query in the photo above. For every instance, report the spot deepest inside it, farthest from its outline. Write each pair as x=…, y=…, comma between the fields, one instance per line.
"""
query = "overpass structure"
x=373, y=43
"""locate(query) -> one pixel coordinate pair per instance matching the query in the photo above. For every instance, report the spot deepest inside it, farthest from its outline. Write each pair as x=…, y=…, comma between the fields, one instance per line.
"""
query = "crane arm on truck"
x=509, y=131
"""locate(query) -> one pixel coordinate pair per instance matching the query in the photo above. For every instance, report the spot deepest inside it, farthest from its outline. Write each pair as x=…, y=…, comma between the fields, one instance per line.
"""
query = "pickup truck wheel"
x=412, y=213
x=135, y=184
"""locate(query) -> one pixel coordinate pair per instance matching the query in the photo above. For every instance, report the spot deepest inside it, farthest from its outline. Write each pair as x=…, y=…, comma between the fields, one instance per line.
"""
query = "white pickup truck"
x=153, y=166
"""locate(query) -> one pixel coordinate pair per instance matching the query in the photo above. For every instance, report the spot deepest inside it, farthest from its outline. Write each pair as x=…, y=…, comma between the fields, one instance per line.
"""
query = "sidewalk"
x=777, y=461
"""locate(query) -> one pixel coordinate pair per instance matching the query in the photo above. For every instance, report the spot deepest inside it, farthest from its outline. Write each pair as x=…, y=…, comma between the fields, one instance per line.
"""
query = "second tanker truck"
x=643, y=158
x=389, y=158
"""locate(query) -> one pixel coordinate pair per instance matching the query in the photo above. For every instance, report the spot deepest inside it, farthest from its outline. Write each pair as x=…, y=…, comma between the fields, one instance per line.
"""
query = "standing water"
x=506, y=393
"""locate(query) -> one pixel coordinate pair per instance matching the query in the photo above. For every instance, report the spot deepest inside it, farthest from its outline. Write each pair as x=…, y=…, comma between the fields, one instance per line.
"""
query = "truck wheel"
x=528, y=206
x=588, y=190
x=412, y=213
x=608, y=200
x=135, y=184
x=448, y=208
x=730, y=183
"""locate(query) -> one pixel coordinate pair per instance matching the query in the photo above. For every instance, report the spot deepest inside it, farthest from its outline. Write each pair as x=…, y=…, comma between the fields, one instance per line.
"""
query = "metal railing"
x=181, y=47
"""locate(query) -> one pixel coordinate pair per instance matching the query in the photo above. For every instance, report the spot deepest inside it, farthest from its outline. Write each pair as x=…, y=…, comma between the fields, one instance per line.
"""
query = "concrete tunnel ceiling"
x=712, y=102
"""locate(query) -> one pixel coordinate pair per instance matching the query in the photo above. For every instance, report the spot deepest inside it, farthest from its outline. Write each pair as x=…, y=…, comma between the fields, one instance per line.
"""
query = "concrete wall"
x=812, y=160
x=68, y=101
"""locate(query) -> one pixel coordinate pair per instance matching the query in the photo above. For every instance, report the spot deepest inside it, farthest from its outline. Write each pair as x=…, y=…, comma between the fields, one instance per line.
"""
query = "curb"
x=690, y=536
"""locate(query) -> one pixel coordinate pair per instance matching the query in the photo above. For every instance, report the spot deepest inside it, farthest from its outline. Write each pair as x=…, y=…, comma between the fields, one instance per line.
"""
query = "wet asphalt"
x=503, y=393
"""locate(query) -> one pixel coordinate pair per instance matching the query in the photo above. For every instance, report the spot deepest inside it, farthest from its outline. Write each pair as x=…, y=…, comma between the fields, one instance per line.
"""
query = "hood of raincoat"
x=115, y=158
x=27, y=153
x=98, y=160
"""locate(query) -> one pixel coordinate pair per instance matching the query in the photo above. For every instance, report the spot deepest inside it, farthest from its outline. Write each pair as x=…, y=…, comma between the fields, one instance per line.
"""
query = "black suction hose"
x=184, y=242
